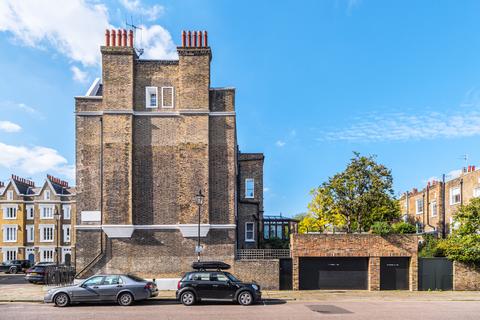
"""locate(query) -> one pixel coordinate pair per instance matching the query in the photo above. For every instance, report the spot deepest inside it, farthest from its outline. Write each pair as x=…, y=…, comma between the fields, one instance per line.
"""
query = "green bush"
x=430, y=247
x=403, y=228
x=381, y=228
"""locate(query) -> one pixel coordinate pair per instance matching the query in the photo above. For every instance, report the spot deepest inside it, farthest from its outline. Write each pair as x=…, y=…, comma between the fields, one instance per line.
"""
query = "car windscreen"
x=135, y=278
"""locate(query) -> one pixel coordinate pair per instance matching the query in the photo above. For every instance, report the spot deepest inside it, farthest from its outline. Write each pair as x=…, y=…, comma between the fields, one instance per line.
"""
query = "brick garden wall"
x=466, y=277
x=356, y=245
x=265, y=272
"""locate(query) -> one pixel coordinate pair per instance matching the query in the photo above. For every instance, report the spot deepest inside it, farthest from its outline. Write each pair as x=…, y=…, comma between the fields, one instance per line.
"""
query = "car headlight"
x=255, y=287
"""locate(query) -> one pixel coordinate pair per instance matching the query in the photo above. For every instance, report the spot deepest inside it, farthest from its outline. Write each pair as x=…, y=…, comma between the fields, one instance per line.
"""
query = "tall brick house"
x=149, y=136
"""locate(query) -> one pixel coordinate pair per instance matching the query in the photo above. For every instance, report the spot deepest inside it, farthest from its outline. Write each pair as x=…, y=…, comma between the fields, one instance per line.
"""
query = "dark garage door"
x=394, y=273
x=333, y=273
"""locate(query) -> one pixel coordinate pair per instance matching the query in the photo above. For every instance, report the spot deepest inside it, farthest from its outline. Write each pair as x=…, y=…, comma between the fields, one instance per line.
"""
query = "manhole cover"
x=328, y=309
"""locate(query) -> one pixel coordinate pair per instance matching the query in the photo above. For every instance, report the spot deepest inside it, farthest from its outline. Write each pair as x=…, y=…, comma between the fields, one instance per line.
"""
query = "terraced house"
x=36, y=221
x=151, y=136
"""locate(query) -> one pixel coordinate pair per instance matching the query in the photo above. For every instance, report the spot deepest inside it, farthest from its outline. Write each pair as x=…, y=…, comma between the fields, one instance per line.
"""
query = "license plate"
x=33, y=274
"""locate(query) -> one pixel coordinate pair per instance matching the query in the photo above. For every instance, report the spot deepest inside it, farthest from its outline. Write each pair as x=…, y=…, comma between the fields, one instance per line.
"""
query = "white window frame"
x=453, y=194
x=46, y=195
x=476, y=192
x=67, y=233
x=30, y=208
x=247, y=238
x=247, y=195
x=10, y=212
x=10, y=195
x=433, y=205
x=173, y=98
x=30, y=232
x=42, y=211
x=67, y=211
x=42, y=228
x=417, y=201
x=12, y=235
x=148, y=92
x=47, y=254
x=66, y=251
x=9, y=254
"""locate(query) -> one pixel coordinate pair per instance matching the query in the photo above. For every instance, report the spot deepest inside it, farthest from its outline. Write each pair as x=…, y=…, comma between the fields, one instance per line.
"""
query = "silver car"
x=124, y=289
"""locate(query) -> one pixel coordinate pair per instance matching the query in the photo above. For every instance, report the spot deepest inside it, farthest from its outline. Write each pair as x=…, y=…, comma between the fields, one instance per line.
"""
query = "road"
x=271, y=309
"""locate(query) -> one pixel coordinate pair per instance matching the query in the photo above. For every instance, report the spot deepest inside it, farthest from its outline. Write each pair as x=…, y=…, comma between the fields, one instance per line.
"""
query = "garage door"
x=333, y=273
x=394, y=273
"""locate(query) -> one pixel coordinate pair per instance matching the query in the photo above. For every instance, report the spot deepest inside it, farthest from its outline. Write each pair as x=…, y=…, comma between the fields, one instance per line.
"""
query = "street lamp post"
x=58, y=217
x=199, y=200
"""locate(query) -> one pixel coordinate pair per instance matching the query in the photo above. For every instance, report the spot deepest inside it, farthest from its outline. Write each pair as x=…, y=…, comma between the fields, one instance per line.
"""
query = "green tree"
x=357, y=197
x=464, y=242
x=309, y=224
x=402, y=227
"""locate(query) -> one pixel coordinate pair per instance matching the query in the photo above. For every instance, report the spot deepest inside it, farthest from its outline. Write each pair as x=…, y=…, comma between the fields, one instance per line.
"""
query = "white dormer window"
x=249, y=188
x=10, y=195
x=151, y=97
x=46, y=195
x=167, y=97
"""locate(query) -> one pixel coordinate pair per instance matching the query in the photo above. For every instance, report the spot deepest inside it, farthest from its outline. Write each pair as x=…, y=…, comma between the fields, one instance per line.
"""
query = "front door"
x=221, y=287
x=88, y=291
x=31, y=258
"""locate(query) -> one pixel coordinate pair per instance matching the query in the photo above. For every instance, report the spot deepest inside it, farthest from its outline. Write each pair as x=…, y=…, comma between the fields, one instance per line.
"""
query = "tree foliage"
x=354, y=199
x=464, y=242
x=381, y=228
x=402, y=227
x=430, y=247
x=309, y=224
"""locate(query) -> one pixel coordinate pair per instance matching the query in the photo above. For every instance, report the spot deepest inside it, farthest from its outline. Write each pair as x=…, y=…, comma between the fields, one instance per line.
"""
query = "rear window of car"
x=38, y=268
x=199, y=276
x=135, y=278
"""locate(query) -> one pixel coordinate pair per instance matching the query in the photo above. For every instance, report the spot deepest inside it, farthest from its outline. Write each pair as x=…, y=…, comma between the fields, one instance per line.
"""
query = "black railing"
x=59, y=275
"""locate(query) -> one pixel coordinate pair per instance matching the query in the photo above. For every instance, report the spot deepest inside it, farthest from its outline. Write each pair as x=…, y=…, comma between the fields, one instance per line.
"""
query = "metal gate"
x=394, y=273
x=435, y=274
x=333, y=273
x=285, y=274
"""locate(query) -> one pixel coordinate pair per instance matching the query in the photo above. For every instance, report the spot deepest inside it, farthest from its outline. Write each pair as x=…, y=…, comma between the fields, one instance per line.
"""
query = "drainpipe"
x=444, y=229
x=461, y=192
x=428, y=206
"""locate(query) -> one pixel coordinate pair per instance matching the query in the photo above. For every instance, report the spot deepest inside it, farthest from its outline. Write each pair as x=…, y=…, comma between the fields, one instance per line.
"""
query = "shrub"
x=403, y=228
x=381, y=228
x=430, y=247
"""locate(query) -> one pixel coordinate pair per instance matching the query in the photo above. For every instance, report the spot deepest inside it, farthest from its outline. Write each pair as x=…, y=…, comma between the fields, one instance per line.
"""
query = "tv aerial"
x=134, y=27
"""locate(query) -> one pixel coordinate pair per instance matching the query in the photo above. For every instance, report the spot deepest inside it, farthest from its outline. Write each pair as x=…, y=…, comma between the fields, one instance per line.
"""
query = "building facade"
x=150, y=136
x=433, y=208
x=36, y=221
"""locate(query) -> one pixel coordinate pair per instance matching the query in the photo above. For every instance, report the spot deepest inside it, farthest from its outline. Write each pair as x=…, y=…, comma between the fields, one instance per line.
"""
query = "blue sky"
x=315, y=81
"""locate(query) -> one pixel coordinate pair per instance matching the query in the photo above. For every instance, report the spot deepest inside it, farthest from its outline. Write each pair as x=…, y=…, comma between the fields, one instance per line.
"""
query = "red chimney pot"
x=184, y=38
x=130, y=38
x=200, y=38
x=114, y=38
x=189, y=39
x=205, y=38
x=119, y=37
x=124, y=32
x=107, y=38
x=195, y=38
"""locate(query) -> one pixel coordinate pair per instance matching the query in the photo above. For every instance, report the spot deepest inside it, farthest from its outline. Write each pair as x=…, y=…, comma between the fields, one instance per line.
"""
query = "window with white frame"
x=10, y=233
x=9, y=212
x=46, y=195
x=249, y=231
x=66, y=233
x=47, y=232
x=30, y=212
x=167, y=97
x=476, y=192
x=30, y=233
x=10, y=195
x=419, y=206
x=9, y=254
x=249, y=188
x=46, y=211
x=47, y=255
x=66, y=211
x=151, y=97
x=455, y=196
x=433, y=208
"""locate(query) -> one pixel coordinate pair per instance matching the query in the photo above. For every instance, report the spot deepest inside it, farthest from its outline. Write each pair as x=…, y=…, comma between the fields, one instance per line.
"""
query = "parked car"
x=210, y=282
x=36, y=274
x=15, y=266
x=124, y=289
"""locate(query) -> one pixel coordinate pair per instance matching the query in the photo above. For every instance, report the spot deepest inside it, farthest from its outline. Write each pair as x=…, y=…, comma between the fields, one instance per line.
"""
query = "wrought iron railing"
x=59, y=275
x=258, y=254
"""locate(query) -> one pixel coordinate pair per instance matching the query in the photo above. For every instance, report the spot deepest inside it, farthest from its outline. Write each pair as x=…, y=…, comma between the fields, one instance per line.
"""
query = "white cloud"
x=74, y=27
x=79, y=75
x=9, y=105
x=402, y=127
x=150, y=12
x=280, y=143
x=453, y=174
x=157, y=42
x=33, y=160
x=10, y=127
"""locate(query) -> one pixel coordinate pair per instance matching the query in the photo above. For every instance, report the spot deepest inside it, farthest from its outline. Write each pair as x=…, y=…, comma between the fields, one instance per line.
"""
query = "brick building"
x=433, y=208
x=30, y=230
x=149, y=136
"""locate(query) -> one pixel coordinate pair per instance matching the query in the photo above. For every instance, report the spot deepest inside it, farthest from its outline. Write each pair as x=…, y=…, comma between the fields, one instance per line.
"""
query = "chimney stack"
x=119, y=38
x=195, y=39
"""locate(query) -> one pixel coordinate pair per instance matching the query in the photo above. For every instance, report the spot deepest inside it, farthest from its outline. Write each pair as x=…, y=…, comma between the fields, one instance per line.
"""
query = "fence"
x=59, y=275
x=258, y=254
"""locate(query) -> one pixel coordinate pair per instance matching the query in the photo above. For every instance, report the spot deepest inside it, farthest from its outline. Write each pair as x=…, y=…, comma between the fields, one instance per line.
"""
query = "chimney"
x=130, y=38
x=189, y=39
x=200, y=39
x=184, y=38
x=194, y=39
x=205, y=39
x=473, y=168
x=119, y=37
x=114, y=38
x=107, y=38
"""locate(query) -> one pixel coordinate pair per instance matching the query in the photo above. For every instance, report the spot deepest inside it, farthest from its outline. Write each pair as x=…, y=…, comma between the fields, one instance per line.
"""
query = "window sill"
x=10, y=241
x=5, y=218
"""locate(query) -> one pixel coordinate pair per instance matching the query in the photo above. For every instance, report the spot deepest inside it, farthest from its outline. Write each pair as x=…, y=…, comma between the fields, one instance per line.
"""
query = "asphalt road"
x=18, y=278
x=273, y=309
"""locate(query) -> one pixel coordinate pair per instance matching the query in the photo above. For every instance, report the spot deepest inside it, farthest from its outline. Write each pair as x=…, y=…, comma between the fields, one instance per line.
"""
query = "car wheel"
x=245, y=298
x=13, y=270
x=61, y=300
x=188, y=298
x=125, y=299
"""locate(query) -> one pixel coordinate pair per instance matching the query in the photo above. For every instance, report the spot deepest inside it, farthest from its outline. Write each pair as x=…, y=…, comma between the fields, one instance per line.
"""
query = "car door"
x=109, y=288
x=88, y=290
x=221, y=286
x=200, y=281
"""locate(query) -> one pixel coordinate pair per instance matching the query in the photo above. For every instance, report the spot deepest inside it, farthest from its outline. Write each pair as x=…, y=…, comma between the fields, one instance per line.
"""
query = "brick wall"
x=466, y=277
x=265, y=272
x=356, y=245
